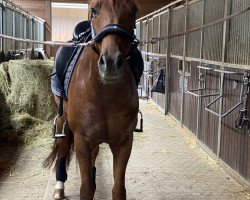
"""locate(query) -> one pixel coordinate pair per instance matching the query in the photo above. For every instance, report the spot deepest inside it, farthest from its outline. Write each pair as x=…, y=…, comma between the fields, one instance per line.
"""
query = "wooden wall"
x=63, y=22
x=234, y=144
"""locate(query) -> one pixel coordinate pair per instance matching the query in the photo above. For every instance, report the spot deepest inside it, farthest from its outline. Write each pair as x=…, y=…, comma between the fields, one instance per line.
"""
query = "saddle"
x=67, y=57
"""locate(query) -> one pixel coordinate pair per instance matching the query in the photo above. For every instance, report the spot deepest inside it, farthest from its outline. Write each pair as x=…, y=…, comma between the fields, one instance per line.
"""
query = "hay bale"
x=23, y=122
x=30, y=88
x=4, y=79
x=26, y=100
x=4, y=91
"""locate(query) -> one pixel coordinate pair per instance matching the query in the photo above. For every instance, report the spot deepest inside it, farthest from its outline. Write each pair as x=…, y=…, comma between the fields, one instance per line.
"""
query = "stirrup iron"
x=55, y=129
x=140, y=130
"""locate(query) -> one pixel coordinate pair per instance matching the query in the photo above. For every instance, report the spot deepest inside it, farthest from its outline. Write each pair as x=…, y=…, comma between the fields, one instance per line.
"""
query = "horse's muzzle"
x=111, y=66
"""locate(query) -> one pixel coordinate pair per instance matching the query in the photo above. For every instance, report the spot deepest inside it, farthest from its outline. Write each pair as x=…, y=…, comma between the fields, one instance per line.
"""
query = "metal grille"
x=8, y=22
x=205, y=44
x=41, y=34
x=212, y=46
x=1, y=30
x=156, y=30
x=17, y=29
x=163, y=31
x=18, y=23
x=144, y=34
x=150, y=33
x=36, y=32
x=238, y=40
x=194, y=20
x=28, y=27
x=138, y=30
x=177, y=25
x=22, y=31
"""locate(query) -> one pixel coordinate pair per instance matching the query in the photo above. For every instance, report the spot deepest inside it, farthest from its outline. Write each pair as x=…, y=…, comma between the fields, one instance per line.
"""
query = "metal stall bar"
x=184, y=63
x=2, y=55
x=219, y=98
x=14, y=29
x=167, y=70
x=202, y=84
x=1, y=22
x=14, y=22
x=200, y=67
x=158, y=49
x=33, y=38
x=26, y=36
x=227, y=11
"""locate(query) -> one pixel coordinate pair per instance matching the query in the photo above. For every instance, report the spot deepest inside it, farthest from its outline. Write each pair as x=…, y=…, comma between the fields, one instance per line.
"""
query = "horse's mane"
x=125, y=1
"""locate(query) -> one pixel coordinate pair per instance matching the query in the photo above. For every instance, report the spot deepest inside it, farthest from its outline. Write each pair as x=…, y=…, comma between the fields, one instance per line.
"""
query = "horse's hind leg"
x=65, y=145
x=121, y=153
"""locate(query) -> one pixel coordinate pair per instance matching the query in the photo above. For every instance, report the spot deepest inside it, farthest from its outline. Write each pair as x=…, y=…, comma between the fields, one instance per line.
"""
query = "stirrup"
x=55, y=133
x=140, y=130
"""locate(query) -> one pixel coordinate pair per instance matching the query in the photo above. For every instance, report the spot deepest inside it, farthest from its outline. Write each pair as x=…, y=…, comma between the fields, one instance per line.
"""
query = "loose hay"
x=26, y=100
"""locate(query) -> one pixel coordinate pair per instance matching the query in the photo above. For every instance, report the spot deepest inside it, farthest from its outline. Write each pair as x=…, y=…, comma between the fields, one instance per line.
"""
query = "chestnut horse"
x=102, y=104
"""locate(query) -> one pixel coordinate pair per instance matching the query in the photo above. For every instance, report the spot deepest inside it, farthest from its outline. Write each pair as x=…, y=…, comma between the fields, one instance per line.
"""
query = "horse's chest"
x=104, y=117
x=105, y=123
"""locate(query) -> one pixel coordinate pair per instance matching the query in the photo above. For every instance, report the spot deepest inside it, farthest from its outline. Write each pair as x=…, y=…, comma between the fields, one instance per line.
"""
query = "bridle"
x=109, y=29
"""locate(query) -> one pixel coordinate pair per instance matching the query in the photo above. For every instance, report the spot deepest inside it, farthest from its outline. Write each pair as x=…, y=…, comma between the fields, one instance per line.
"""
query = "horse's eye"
x=94, y=12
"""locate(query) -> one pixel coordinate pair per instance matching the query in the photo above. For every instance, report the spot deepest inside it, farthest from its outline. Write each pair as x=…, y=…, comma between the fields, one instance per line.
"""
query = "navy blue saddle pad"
x=67, y=57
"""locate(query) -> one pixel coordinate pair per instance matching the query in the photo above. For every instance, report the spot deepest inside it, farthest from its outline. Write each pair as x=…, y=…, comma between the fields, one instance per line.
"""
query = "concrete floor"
x=165, y=164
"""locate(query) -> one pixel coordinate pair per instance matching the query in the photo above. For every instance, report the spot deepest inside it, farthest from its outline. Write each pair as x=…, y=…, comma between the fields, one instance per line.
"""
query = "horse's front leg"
x=121, y=153
x=84, y=155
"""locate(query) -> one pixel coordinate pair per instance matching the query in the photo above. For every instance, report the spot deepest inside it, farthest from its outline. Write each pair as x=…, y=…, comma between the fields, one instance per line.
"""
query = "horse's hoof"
x=58, y=194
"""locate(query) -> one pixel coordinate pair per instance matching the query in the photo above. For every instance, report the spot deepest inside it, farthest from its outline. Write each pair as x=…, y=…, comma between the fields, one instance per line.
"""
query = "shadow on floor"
x=8, y=157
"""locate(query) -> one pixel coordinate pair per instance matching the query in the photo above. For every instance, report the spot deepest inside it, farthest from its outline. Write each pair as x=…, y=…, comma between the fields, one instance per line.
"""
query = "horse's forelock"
x=127, y=3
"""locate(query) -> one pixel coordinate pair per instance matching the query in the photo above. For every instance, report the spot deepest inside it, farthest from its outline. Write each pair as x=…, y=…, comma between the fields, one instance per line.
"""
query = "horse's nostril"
x=102, y=59
x=119, y=61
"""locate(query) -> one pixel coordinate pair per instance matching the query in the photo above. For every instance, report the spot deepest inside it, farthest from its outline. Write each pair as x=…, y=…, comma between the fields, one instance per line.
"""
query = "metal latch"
x=242, y=120
x=185, y=84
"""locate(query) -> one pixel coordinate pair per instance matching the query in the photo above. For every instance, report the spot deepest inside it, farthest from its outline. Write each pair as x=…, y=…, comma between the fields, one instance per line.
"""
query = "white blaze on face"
x=59, y=185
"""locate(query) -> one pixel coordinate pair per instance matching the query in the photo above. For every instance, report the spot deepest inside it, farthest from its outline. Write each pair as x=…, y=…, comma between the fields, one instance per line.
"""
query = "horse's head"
x=113, y=23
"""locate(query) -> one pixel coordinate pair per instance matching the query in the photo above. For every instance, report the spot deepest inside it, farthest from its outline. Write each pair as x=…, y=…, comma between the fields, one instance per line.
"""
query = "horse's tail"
x=49, y=161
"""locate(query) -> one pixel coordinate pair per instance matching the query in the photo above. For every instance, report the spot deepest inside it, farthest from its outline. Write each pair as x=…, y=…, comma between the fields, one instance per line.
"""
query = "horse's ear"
x=89, y=14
